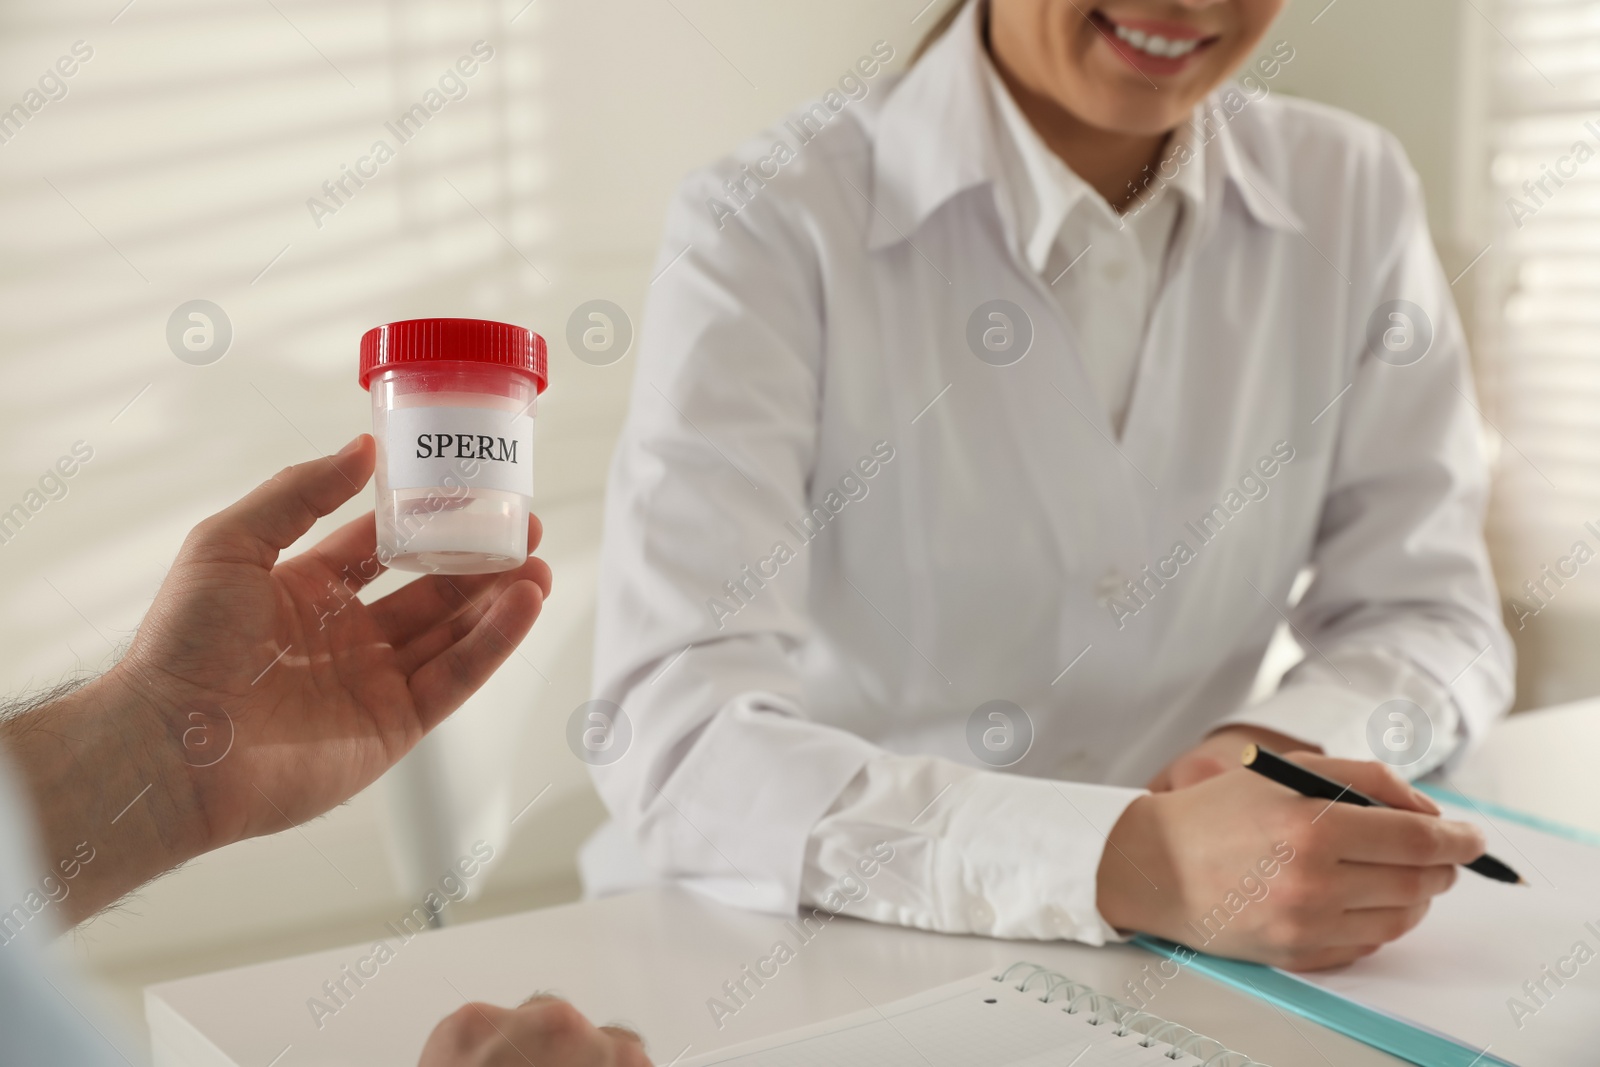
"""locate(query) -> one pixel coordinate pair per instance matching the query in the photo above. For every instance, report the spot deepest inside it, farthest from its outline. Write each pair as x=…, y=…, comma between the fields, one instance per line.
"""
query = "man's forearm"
x=105, y=781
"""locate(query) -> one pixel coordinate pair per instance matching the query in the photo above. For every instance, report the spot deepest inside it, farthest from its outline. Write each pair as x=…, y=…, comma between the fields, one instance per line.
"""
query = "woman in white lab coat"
x=984, y=420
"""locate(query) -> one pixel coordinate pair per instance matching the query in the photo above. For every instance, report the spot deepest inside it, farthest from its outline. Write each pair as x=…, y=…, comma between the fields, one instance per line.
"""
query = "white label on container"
x=450, y=447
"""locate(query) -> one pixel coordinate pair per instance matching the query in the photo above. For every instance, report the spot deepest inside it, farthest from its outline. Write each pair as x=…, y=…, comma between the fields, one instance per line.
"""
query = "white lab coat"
x=833, y=532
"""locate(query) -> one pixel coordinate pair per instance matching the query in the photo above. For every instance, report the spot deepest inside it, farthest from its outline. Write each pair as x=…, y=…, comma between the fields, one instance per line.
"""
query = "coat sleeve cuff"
x=1341, y=722
x=974, y=851
x=1330, y=717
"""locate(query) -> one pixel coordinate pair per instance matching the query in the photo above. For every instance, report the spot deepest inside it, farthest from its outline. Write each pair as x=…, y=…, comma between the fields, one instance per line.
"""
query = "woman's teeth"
x=1155, y=45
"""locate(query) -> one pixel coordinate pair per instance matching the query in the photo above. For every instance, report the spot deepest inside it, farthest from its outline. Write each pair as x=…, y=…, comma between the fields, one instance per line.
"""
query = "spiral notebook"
x=1025, y=1016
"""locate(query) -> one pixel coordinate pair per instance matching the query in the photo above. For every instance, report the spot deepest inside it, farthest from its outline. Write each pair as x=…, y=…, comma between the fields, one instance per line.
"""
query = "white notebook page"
x=1457, y=972
x=954, y=1026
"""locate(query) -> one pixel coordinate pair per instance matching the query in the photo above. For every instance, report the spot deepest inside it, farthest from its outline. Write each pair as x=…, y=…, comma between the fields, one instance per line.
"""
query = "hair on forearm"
x=16, y=714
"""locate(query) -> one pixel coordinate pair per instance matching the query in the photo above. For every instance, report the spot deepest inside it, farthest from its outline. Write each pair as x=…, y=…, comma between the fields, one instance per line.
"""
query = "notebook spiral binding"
x=1125, y=1019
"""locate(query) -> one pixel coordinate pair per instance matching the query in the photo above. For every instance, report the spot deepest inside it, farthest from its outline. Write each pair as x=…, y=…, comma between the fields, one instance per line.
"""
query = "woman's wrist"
x=1136, y=885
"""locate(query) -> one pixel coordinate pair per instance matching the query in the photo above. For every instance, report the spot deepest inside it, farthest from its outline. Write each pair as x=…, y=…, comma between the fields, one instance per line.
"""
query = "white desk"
x=652, y=960
x=1541, y=762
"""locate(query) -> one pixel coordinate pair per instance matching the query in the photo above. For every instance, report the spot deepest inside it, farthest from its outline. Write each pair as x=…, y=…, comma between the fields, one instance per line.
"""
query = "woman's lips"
x=1151, y=47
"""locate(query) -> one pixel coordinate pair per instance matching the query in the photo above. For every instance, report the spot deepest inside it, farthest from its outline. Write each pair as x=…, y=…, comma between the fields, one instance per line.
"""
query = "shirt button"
x=1111, y=585
x=982, y=915
x=1114, y=270
x=1061, y=920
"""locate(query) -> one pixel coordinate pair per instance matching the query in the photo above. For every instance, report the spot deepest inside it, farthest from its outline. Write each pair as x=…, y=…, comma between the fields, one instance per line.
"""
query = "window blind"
x=1539, y=333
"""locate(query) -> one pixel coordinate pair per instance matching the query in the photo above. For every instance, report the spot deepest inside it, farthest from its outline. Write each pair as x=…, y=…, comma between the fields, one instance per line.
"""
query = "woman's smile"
x=1093, y=65
x=1151, y=46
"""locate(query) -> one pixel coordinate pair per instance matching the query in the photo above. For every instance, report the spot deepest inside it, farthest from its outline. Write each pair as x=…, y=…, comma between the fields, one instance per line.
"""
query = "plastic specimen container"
x=453, y=405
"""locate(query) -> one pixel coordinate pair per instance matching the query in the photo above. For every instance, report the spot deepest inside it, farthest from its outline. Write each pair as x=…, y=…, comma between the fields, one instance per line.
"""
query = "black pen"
x=1310, y=784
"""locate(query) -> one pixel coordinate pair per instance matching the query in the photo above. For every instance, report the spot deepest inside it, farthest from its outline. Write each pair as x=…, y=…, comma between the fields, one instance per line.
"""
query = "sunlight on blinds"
x=314, y=168
x=309, y=169
x=1542, y=350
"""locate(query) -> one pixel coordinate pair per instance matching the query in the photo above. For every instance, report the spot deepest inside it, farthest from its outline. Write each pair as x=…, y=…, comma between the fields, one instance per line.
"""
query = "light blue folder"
x=1394, y=1036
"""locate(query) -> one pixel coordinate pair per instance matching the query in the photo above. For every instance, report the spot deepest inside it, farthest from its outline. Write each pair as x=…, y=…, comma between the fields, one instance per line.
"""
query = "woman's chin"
x=1134, y=116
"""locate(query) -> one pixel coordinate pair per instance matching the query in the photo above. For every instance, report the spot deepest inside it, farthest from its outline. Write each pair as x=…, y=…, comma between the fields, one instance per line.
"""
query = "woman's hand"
x=545, y=1031
x=258, y=694
x=1237, y=865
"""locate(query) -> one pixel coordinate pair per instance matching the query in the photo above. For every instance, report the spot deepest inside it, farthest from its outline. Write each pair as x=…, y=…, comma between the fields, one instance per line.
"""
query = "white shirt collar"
x=937, y=135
